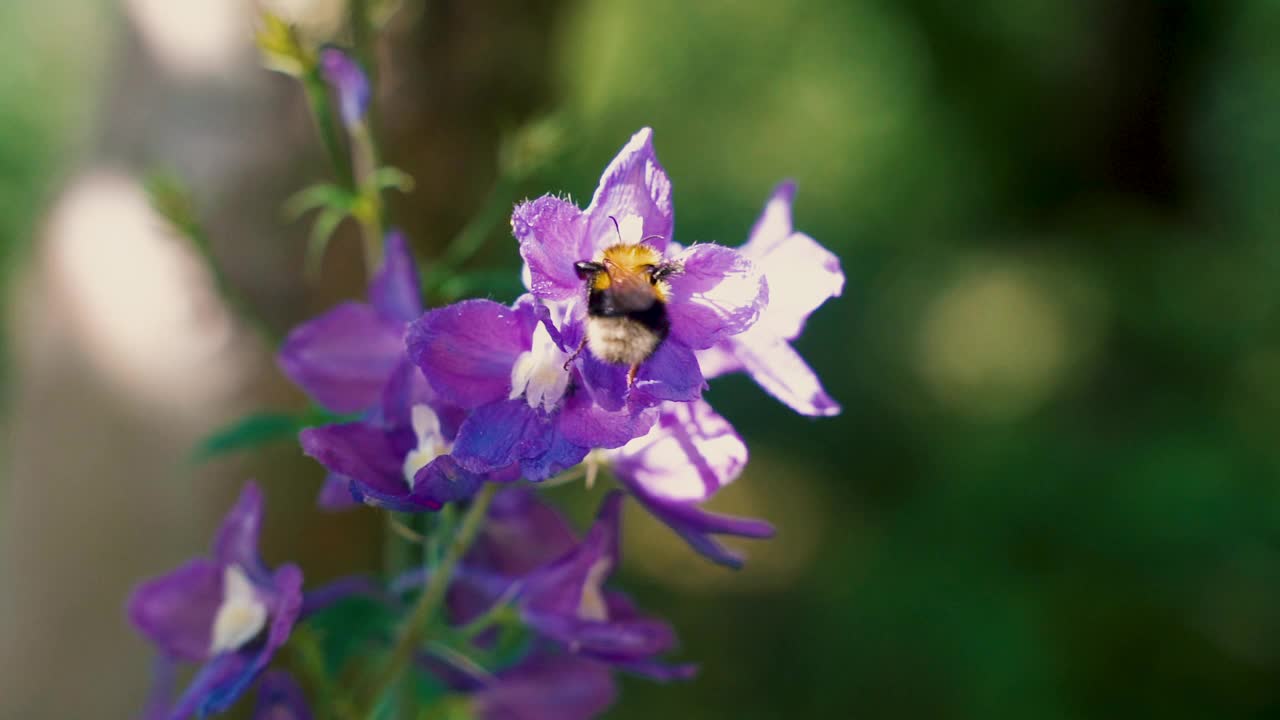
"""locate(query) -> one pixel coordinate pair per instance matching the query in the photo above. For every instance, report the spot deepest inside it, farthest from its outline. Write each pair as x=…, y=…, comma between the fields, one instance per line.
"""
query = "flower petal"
x=501, y=433
x=584, y=423
x=697, y=526
x=779, y=369
x=280, y=698
x=466, y=350
x=719, y=359
x=371, y=457
x=344, y=357
x=774, y=224
x=176, y=611
x=443, y=480
x=335, y=494
x=612, y=641
x=802, y=275
x=688, y=455
x=558, y=587
x=634, y=184
x=717, y=293
x=560, y=455
x=522, y=533
x=215, y=674
x=552, y=238
x=606, y=383
x=548, y=687
x=237, y=540
x=671, y=373
x=396, y=292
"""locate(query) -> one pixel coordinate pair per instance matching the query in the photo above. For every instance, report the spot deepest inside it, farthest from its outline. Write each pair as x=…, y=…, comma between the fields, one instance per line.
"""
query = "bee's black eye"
x=587, y=269
x=659, y=272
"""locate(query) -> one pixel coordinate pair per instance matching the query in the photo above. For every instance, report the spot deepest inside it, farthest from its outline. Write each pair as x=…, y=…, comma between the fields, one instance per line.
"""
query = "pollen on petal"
x=539, y=373
x=592, y=605
x=242, y=614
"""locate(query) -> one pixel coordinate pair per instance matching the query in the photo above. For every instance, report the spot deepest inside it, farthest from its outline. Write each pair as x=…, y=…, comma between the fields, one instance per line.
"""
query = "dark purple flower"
x=565, y=601
x=802, y=275
x=507, y=366
x=280, y=698
x=710, y=292
x=345, y=358
x=690, y=453
x=349, y=82
x=397, y=457
x=546, y=686
x=227, y=612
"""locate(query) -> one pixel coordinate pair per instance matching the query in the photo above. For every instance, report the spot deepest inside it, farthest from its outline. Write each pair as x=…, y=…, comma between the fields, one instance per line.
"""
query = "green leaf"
x=323, y=195
x=321, y=233
x=389, y=177
x=250, y=432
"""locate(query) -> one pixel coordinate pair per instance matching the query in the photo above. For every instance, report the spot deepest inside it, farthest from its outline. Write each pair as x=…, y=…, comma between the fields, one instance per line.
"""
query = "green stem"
x=414, y=630
x=370, y=212
x=322, y=110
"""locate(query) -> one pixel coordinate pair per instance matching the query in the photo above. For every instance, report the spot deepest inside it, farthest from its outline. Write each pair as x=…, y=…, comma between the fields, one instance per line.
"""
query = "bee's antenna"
x=616, y=228
x=653, y=237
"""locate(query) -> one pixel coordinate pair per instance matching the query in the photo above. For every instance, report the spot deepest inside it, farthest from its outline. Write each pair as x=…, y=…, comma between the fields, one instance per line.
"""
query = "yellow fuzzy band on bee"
x=627, y=264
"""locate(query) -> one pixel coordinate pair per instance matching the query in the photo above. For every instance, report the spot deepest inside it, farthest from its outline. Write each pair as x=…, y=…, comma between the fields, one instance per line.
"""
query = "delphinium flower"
x=545, y=686
x=352, y=359
x=280, y=698
x=528, y=404
x=349, y=83
x=646, y=303
x=228, y=612
x=802, y=275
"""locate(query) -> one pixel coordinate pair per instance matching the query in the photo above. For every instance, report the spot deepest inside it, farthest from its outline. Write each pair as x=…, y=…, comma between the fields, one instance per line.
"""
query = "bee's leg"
x=577, y=351
x=631, y=375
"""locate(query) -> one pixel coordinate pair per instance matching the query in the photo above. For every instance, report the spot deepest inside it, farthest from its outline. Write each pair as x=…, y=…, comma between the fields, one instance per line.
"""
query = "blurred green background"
x=1054, y=490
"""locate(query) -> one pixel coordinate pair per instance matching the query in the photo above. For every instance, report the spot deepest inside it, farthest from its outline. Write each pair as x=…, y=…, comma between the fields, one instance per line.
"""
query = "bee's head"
x=634, y=274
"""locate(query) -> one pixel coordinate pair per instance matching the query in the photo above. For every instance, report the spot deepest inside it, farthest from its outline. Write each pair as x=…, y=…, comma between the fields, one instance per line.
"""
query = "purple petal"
x=371, y=457
x=218, y=673
x=584, y=423
x=552, y=235
x=501, y=433
x=605, y=382
x=779, y=369
x=466, y=350
x=774, y=224
x=237, y=540
x=521, y=534
x=696, y=526
x=335, y=494
x=349, y=83
x=719, y=359
x=336, y=591
x=688, y=455
x=443, y=480
x=560, y=455
x=548, y=687
x=395, y=291
x=176, y=611
x=717, y=293
x=344, y=357
x=634, y=183
x=611, y=640
x=671, y=373
x=557, y=588
x=801, y=275
x=280, y=698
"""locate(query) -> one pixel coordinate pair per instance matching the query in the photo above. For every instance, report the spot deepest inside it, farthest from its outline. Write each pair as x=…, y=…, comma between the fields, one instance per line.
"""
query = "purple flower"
x=397, y=457
x=508, y=367
x=690, y=453
x=349, y=82
x=345, y=358
x=280, y=698
x=802, y=275
x=547, y=686
x=228, y=612
x=565, y=601
x=708, y=293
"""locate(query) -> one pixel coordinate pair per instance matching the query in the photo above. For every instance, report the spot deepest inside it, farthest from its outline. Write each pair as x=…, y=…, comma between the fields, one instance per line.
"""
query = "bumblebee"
x=627, y=294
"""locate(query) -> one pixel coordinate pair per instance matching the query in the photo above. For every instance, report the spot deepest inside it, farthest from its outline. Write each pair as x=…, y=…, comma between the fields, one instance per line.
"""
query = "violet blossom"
x=711, y=292
x=802, y=275
x=546, y=686
x=227, y=612
x=280, y=698
x=348, y=82
x=507, y=367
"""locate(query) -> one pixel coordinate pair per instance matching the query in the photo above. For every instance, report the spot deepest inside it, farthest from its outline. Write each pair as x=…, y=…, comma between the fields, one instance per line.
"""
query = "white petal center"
x=539, y=373
x=630, y=229
x=241, y=615
x=592, y=606
x=431, y=442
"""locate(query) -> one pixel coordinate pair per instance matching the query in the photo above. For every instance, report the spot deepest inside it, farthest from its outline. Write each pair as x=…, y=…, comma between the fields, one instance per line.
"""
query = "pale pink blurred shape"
x=140, y=302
